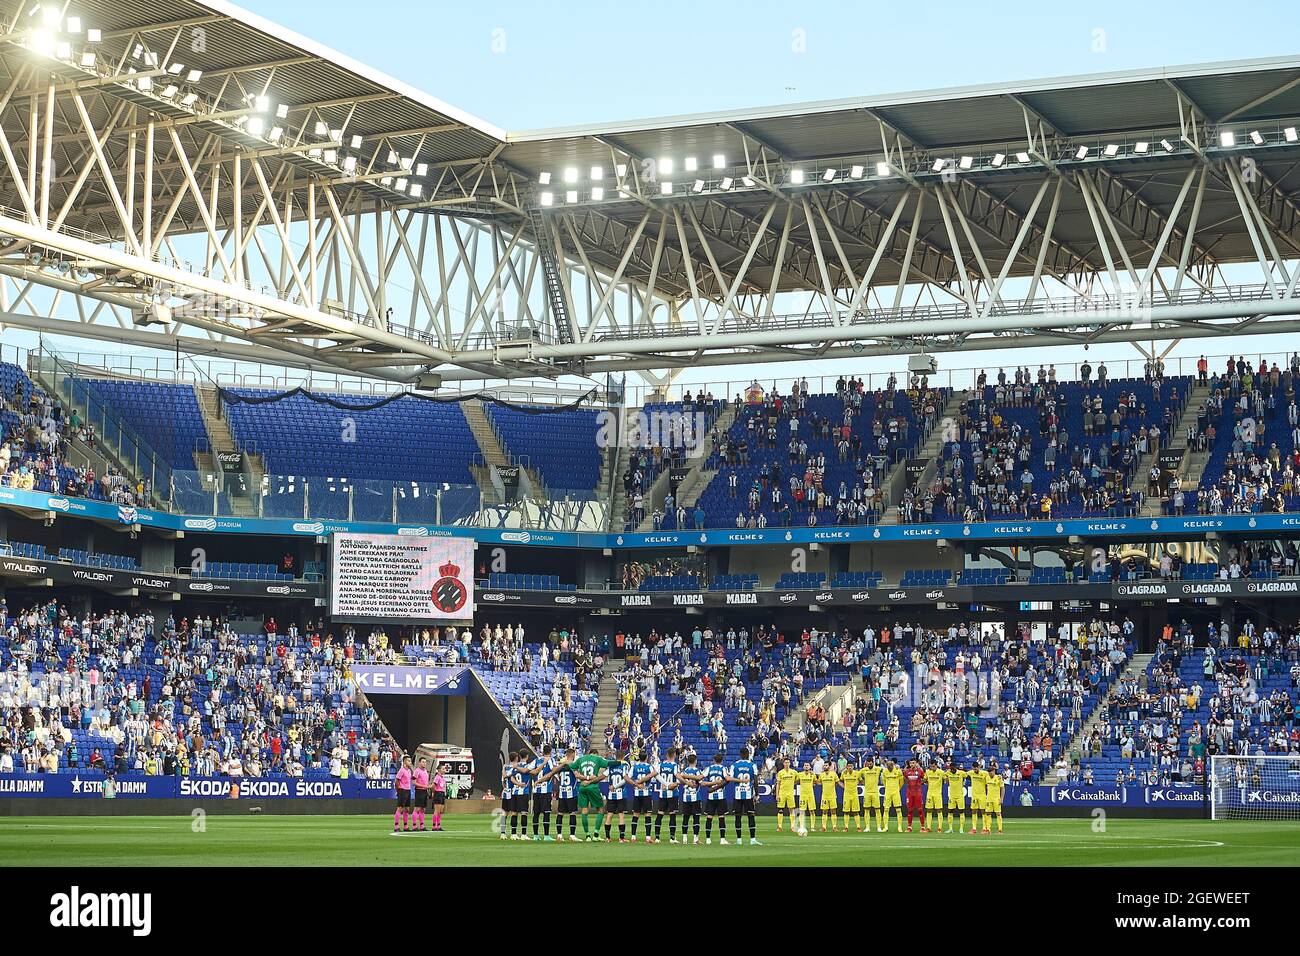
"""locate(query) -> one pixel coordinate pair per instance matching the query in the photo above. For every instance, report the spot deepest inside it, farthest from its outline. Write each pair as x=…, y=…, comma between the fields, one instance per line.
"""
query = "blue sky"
x=530, y=64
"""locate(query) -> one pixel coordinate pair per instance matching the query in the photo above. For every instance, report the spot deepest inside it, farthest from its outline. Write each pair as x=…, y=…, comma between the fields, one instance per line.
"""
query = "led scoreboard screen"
x=401, y=578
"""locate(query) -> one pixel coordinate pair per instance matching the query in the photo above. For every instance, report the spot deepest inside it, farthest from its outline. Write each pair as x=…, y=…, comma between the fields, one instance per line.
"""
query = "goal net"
x=1265, y=787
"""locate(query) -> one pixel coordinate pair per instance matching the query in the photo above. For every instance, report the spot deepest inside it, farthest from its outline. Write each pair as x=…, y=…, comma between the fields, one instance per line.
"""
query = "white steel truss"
x=156, y=197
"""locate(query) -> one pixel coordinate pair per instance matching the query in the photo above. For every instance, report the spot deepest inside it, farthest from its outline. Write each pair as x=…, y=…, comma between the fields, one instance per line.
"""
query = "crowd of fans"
x=123, y=693
x=1256, y=474
x=994, y=461
x=1240, y=699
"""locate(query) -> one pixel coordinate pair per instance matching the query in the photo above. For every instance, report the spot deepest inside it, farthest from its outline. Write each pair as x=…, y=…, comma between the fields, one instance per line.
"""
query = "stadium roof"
x=966, y=116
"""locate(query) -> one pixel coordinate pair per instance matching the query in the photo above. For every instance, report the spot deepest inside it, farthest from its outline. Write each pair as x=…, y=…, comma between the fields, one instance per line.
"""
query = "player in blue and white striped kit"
x=616, y=800
x=744, y=775
x=715, y=782
x=641, y=775
x=667, y=803
x=540, y=775
x=692, y=779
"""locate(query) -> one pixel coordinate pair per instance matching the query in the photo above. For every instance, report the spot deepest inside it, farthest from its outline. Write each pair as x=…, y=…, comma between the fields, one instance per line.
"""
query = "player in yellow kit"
x=978, y=790
x=786, y=778
x=956, y=778
x=934, y=778
x=829, y=804
x=807, y=801
x=849, y=780
x=893, y=778
x=870, y=777
x=993, y=790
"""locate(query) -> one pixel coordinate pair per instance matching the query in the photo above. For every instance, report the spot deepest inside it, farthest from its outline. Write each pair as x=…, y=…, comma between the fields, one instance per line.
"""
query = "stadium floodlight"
x=407, y=162
x=1081, y=152
x=697, y=186
x=63, y=49
x=275, y=134
x=256, y=126
x=1227, y=139
x=315, y=154
x=282, y=111
x=796, y=176
x=336, y=135
x=966, y=162
x=1141, y=146
x=145, y=83
x=193, y=76
x=829, y=175
x=262, y=104
x=189, y=99
x=422, y=169
x=401, y=184
x=571, y=196
x=597, y=193
x=323, y=130
x=719, y=161
x=1167, y=146
x=665, y=165
x=356, y=144
x=331, y=155
x=170, y=90
x=176, y=69
x=571, y=174
x=938, y=165
x=747, y=181
x=856, y=172
x=1290, y=134
x=999, y=159
x=547, y=198
x=1022, y=158
x=73, y=25
x=136, y=51
x=1256, y=137
x=620, y=170
x=1112, y=149
x=597, y=173
x=349, y=164
x=544, y=178
x=691, y=164
x=882, y=169
x=666, y=188
x=88, y=58
x=94, y=35
x=51, y=15
x=416, y=190
x=725, y=184
x=42, y=42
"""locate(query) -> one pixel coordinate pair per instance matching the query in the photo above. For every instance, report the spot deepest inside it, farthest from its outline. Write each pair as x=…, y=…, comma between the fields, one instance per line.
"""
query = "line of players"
x=635, y=789
x=920, y=790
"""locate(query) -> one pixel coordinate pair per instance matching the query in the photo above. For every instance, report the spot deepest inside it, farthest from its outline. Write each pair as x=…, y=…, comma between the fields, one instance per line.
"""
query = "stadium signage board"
x=31, y=570
x=418, y=681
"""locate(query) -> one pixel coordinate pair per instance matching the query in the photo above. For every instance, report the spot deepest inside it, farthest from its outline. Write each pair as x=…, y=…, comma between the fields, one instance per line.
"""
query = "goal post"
x=1261, y=787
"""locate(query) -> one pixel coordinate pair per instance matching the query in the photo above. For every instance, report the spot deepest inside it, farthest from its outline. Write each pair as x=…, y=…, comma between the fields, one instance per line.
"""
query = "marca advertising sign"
x=416, y=681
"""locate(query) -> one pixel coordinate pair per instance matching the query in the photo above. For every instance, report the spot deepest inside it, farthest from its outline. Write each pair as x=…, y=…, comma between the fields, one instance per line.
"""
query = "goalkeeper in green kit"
x=589, y=769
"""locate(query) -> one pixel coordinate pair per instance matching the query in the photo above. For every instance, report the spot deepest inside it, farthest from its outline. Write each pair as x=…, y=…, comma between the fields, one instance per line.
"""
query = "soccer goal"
x=1264, y=787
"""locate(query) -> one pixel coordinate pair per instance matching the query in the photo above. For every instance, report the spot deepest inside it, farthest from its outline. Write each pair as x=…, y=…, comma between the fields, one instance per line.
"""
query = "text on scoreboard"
x=390, y=577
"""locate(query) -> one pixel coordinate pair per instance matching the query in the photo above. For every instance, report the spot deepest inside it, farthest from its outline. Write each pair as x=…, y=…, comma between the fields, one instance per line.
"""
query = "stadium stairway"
x=493, y=451
x=613, y=464
x=222, y=440
x=1137, y=666
x=698, y=474
x=606, y=700
x=1175, y=441
x=932, y=448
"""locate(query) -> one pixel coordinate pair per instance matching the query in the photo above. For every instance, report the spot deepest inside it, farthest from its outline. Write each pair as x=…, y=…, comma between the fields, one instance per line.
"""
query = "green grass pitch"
x=469, y=840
